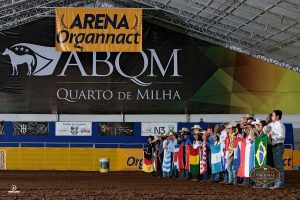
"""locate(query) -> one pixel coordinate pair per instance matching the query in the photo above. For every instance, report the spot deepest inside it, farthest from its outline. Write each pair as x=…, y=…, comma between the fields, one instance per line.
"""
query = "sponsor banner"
x=156, y=80
x=288, y=159
x=296, y=158
x=2, y=131
x=174, y=74
x=158, y=128
x=73, y=128
x=98, y=29
x=116, y=128
x=2, y=159
x=30, y=128
x=131, y=159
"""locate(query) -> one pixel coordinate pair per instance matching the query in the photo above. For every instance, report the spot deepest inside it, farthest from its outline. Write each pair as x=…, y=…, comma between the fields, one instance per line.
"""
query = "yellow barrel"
x=104, y=165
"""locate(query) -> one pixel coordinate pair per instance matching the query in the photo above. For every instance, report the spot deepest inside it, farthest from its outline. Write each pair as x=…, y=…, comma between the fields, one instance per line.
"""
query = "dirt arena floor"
x=130, y=185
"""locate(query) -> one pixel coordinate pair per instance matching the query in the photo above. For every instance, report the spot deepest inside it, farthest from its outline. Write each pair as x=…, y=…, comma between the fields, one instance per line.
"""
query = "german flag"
x=148, y=164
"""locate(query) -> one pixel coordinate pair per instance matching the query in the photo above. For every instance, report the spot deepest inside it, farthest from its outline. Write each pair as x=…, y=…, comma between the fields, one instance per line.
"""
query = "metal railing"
x=71, y=144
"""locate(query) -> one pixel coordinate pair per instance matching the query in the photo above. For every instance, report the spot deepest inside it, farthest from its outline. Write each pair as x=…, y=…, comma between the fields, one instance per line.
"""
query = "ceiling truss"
x=265, y=29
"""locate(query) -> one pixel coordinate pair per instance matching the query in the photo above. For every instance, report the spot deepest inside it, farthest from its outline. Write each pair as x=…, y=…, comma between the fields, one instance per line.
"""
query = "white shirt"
x=171, y=145
x=277, y=132
x=196, y=144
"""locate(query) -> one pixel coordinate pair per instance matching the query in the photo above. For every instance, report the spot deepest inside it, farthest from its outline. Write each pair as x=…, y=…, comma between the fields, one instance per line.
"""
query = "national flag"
x=216, y=161
x=187, y=157
x=194, y=160
x=147, y=164
x=203, y=162
x=246, y=158
x=225, y=155
x=237, y=152
x=261, y=143
x=167, y=161
x=178, y=157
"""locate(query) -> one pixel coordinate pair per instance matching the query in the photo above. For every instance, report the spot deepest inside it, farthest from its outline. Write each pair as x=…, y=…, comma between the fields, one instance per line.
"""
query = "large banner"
x=158, y=128
x=174, y=74
x=98, y=29
x=116, y=129
x=73, y=128
x=30, y=128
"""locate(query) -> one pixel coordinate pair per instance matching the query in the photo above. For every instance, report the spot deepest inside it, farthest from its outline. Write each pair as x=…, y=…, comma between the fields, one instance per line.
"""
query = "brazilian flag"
x=261, y=143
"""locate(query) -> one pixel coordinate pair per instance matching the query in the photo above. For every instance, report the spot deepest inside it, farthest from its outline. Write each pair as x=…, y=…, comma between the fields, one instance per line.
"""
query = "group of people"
x=221, y=153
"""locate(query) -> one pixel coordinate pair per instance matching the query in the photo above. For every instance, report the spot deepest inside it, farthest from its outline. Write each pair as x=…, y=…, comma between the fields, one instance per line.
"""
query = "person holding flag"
x=166, y=167
x=193, y=157
x=223, y=137
x=169, y=147
x=246, y=155
x=204, y=156
x=216, y=161
x=185, y=142
x=237, y=150
x=261, y=149
x=178, y=164
x=148, y=156
x=209, y=141
x=232, y=134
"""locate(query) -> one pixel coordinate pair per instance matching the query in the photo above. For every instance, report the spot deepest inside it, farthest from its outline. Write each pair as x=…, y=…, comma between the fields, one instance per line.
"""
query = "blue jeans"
x=231, y=171
x=246, y=180
x=225, y=176
x=205, y=176
x=278, y=163
x=174, y=173
x=215, y=177
x=187, y=174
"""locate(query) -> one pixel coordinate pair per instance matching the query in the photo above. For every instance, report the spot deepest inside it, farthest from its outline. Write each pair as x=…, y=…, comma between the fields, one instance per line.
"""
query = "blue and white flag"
x=167, y=162
x=216, y=161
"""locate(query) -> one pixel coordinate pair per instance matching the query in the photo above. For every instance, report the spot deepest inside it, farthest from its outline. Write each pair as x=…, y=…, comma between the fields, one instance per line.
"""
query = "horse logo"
x=40, y=60
x=18, y=60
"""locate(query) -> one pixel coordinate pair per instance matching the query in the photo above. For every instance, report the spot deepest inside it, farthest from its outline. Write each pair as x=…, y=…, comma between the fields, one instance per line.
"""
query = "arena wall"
x=78, y=159
x=87, y=159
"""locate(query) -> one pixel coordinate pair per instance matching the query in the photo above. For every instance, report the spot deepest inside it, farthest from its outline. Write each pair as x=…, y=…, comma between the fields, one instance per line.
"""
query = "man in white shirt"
x=277, y=135
x=171, y=147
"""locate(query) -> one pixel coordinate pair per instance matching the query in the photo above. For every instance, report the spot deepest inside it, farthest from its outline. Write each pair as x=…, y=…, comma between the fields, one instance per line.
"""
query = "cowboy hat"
x=171, y=133
x=196, y=126
x=184, y=129
x=231, y=125
x=256, y=122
